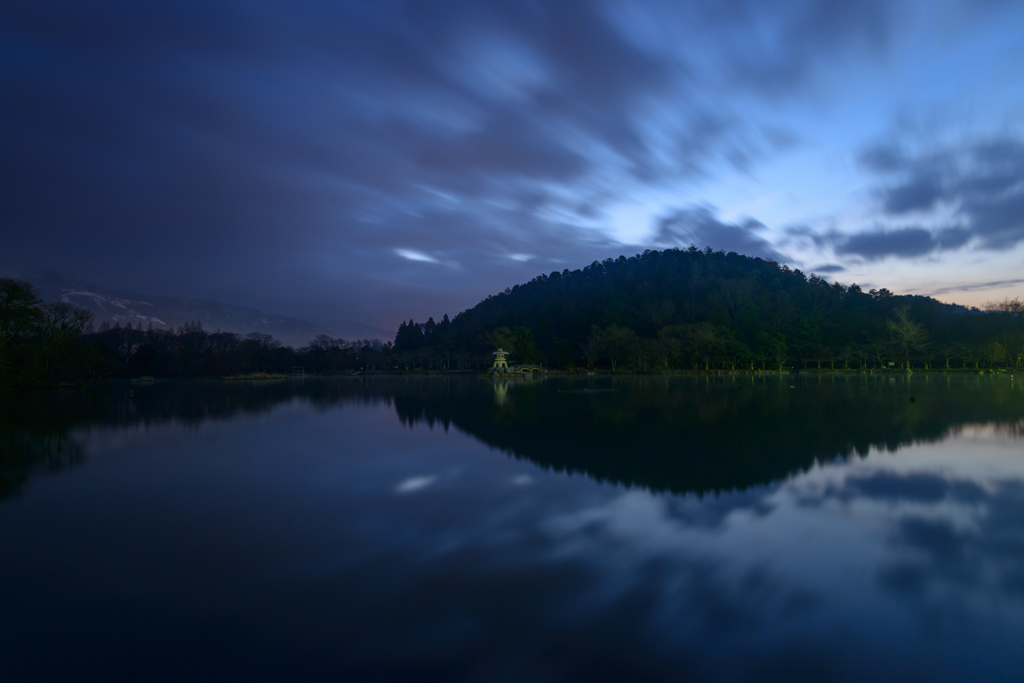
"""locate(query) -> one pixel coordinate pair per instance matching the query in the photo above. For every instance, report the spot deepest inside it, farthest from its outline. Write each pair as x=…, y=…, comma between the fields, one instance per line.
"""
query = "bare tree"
x=1007, y=305
x=62, y=320
x=263, y=341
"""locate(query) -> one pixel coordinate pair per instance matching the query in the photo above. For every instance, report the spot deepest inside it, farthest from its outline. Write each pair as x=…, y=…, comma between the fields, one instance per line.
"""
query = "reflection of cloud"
x=896, y=537
x=413, y=484
x=522, y=480
x=918, y=487
x=962, y=556
x=939, y=531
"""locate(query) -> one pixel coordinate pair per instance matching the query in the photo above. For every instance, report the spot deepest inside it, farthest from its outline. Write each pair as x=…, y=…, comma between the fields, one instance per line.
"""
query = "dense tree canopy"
x=688, y=308
x=660, y=311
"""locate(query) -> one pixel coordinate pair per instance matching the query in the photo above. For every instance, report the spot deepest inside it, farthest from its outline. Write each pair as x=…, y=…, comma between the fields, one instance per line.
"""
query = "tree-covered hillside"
x=658, y=311
x=687, y=308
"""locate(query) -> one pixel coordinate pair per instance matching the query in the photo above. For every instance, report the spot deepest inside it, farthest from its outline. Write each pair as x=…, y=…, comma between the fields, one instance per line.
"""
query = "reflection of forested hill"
x=678, y=434
x=703, y=434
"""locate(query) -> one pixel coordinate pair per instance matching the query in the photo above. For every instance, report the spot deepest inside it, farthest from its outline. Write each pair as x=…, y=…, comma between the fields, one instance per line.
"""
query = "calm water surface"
x=691, y=528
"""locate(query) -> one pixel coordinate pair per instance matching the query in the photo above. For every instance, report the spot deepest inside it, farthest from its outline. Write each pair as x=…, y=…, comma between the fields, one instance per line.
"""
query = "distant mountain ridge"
x=163, y=312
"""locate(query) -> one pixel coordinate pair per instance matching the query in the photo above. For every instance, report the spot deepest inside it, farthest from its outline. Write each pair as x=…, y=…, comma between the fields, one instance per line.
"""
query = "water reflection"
x=681, y=434
x=822, y=528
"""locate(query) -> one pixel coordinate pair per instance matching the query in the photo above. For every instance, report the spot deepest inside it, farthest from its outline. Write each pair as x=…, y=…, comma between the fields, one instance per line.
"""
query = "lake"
x=779, y=527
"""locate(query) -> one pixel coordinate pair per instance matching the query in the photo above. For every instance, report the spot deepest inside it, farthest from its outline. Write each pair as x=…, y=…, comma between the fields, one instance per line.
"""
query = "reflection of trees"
x=24, y=450
x=681, y=434
x=706, y=434
x=37, y=429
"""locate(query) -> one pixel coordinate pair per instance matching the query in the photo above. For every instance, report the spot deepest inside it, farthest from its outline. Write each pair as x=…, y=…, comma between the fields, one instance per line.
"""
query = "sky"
x=380, y=161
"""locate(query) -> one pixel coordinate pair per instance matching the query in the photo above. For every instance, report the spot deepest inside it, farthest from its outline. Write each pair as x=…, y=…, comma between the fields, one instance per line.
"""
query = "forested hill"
x=688, y=308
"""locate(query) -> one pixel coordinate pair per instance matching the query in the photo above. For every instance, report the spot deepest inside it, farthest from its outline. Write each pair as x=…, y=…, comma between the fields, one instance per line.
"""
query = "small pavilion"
x=499, y=359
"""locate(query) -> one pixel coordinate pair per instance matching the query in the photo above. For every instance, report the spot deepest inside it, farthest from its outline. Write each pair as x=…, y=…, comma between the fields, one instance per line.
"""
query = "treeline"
x=703, y=310
x=660, y=311
x=55, y=344
x=191, y=351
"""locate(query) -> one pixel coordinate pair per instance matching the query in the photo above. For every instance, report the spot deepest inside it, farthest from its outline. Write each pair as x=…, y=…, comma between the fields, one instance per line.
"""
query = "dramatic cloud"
x=981, y=182
x=378, y=160
x=974, y=193
x=700, y=227
x=902, y=243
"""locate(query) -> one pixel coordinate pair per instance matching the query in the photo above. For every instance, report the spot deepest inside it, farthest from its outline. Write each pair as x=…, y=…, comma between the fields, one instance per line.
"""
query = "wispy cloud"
x=415, y=256
x=969, y=287
x=413, y=484
x=501, y=136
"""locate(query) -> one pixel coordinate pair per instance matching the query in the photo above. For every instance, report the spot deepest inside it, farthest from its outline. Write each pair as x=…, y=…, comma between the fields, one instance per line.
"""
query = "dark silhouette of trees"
x=1007, y=305
x=19, y=310
x=40, y=342
x=409, y=338
x=706, y=310
x=907, y=335
x=660, y=311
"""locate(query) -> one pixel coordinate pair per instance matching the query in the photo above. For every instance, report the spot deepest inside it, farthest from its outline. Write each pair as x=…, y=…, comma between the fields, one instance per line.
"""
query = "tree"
x=735, y=352
x=428, y=331
x=995, y=353
x=673, y=341
x=503, y=338
x=592, y=351
x=409, y=337
x=771, y=348
x=324, y=343
x=807, y=337
x=60, y=320
x=1007, y=305
x=517, y=340
x=705, y=343
x=906, y=334
x=263, y=341
x=617, y=344
x=443, y=339
x=19, y=309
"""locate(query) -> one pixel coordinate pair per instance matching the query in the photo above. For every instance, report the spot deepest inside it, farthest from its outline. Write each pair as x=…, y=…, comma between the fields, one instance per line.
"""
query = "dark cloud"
x=990, y=284
x=901, y=243
x=882, y=158
x=700, y=226
x=777, y=61
x=277, y=155
x=982, y=183
x=921, y=193
x=828, y=268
